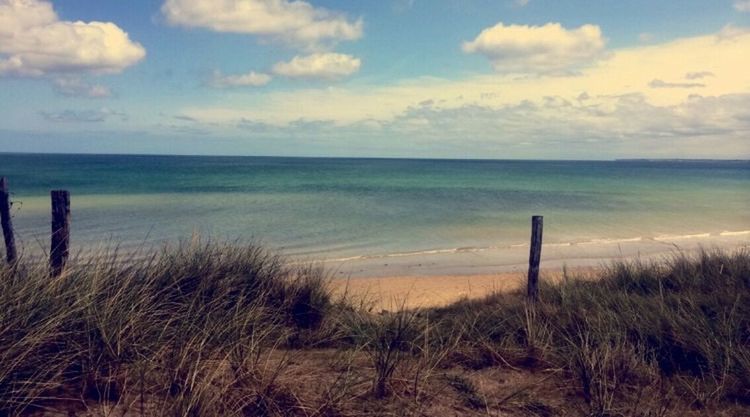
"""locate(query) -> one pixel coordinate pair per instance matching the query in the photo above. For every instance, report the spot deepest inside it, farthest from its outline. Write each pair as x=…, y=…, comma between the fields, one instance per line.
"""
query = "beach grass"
x=221, y=329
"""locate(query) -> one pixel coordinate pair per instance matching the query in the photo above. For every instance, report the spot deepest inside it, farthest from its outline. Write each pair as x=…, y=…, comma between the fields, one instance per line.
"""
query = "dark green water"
x=339, y=208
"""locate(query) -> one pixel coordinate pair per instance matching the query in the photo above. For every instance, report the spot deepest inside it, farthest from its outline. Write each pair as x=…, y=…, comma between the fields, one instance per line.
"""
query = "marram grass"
x=215, y=329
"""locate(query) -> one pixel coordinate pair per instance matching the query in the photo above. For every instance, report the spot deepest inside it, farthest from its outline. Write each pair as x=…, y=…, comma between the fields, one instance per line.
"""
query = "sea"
x=379, y=217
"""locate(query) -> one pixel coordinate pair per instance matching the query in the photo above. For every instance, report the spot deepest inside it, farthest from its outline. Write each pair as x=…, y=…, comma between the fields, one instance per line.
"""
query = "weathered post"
x=7, y=225
x=535, y=255
x=60, y=246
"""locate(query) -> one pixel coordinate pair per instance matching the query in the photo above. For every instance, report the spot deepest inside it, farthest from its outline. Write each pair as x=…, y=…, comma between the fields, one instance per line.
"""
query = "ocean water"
x=343, y=210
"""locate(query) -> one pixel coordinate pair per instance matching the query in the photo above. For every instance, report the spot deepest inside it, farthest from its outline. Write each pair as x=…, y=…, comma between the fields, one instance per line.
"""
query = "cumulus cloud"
x=327, y=66
x=295, y=22
x=625, y=71
x=609, y=104
x=538, y=49
x=77, y=87
x=742, y=5
x=35, y=42
x=250, y=79
x=83, y=116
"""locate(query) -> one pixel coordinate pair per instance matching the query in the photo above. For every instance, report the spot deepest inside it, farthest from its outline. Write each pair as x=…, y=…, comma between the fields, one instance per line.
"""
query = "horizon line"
x=624, y=159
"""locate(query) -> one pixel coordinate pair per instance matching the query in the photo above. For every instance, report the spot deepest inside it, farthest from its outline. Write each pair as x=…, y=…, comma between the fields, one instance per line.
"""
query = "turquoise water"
x=339, y=208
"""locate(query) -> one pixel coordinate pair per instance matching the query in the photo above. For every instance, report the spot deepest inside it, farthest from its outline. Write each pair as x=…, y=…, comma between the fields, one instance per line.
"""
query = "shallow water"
x=355, y=209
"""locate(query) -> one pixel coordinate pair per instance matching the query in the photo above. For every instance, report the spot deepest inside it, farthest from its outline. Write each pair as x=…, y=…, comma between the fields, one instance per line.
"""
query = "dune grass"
x=169, y=327
x=210, y=329
x=640, y=331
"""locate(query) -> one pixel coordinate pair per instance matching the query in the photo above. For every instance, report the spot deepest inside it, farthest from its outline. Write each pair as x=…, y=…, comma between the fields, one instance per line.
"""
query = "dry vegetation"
x=208, y=329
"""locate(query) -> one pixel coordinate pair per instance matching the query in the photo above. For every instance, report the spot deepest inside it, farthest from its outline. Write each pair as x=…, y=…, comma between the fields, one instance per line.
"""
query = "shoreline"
x=514, y=258
x=439, y=279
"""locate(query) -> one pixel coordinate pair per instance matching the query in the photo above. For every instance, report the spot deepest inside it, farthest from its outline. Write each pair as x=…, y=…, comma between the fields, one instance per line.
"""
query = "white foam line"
x=682, y=237
x=405, y=254
x=351, y=258
x=738, y=233
x=526, y=245
x=611, y=241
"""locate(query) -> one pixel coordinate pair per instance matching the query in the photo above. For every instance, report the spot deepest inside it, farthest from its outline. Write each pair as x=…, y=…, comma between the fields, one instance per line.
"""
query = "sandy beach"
x=510, y=261
x=438, y=279
x=420, y=291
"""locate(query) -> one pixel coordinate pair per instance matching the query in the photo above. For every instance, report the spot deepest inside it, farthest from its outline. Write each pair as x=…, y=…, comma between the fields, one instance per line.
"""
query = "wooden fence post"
x=7, y=225
x=60, y=246
x=535, y=255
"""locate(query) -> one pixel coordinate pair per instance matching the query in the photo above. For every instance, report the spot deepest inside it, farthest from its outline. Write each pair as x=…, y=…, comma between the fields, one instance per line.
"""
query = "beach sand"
x=435, y=279
x=396, y=292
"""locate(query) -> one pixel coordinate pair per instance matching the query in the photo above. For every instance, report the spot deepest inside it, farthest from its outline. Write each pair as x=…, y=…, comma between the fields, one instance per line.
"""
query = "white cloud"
x=626, y=71
x=538, y=49
x=521, y=3
x=498, y=111
x=320, y=65
x=742, y=5
x=35, y=42
x=77, y=87
x=615, y=126
x=296, y=22
x=251, y=79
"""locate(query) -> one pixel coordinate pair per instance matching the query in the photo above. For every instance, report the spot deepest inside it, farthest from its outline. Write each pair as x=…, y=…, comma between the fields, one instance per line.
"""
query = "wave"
x=413, y=253
x=597, y=241
x=737, y=233
x=610, y=241
x=662, y=238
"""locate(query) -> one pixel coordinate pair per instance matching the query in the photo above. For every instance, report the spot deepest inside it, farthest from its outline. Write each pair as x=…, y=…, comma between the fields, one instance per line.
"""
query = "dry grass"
x=680, y=327
x=209, y=329
x=180, y=331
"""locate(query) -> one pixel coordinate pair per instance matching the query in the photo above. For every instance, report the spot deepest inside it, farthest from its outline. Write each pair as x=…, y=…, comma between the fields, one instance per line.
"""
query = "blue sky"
x=403, y=78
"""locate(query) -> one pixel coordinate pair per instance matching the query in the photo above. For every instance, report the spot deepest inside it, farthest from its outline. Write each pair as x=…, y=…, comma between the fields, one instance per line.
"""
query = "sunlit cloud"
x=34, y=42
x=250, y=79
x=643, y=94
x=537, y=49
x=327, y=66
x=293, y=22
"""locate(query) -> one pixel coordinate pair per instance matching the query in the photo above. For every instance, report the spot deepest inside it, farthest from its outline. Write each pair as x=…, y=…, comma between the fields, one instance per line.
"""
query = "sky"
x=508, y=79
